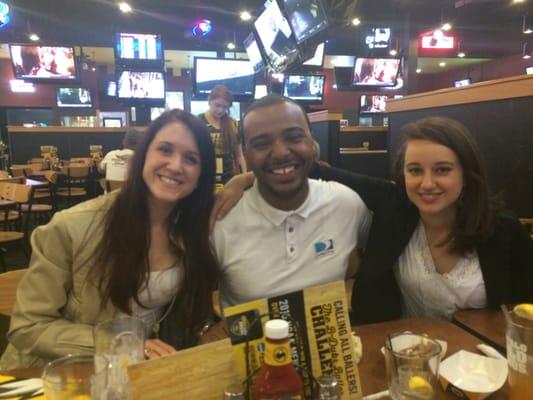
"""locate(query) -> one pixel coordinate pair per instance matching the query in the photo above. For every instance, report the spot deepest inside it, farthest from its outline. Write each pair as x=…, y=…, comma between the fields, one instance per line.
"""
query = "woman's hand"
x=229, y=196
x=218, y=331
x=155, y=348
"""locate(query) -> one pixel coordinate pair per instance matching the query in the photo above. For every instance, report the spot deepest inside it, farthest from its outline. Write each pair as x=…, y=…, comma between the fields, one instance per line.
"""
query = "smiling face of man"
x=279, y=149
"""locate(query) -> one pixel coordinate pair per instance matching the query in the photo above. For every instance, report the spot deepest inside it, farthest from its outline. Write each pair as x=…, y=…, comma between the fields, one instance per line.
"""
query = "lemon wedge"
x=524, y=311
x=421, y=386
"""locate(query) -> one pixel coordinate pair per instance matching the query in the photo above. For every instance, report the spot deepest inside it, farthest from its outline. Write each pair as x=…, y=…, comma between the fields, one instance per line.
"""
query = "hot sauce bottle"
x=278, y=379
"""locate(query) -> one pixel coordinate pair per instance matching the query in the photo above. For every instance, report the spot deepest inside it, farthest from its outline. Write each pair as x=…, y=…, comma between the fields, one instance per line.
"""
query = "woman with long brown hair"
x=142, y=251
x=223, y=130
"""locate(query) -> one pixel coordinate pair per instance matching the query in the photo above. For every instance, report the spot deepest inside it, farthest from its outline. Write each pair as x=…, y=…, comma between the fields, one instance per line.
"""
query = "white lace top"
x=426, y=293
x=156, y=294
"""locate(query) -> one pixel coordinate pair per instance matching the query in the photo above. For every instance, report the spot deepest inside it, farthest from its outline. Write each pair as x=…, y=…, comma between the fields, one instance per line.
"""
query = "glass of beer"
x=519, y=338
x=74, y=376
x=412, y=363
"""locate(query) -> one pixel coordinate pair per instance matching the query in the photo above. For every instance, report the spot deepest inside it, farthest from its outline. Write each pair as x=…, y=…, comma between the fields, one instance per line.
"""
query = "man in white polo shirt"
x=287, y=232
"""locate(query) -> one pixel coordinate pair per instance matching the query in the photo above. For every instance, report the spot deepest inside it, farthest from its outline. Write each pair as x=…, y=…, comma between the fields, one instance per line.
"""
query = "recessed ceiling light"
x=446, y=27
x=245, y=16
x=461, y=54
x=518, y=1
x=34, y=37
x=442, y=64
x=393, y=52
x=125, y=7
x=356, y=21
x=231, y=46
x=418, y=70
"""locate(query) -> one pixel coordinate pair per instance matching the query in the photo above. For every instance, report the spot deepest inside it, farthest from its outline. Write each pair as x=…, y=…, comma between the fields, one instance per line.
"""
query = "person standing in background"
x=115, y=163
x=223, y=130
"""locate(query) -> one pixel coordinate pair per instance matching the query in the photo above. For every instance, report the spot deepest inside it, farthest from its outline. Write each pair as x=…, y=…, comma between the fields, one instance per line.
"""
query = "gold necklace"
x=156, y=326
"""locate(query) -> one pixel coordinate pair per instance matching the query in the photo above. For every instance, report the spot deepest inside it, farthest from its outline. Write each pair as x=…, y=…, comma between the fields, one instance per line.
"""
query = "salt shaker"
x=328, y=388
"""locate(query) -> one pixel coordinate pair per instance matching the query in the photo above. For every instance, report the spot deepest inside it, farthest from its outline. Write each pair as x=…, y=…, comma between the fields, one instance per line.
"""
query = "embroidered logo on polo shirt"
x=324, y=247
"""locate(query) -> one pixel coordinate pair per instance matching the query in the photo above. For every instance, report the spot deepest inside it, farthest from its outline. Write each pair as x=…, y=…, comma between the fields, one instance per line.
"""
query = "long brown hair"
x=475, y=211
x=228, y=127
x=122, y=255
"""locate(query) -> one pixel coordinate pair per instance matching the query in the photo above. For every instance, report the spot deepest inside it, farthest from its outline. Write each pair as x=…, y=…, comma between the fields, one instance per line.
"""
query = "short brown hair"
x=474, y=219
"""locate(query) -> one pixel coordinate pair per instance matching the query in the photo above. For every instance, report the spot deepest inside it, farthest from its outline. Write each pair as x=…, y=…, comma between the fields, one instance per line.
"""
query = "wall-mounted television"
x=237, y=75
x=111, y=89
x=200, y=106
x=529, y=70
x=254, y=54
x=378, y=38
x=462, y=82
x=73, y=97
x=43, y=63
x=307, y=89
x=372, y=104
x=307, y=17
x=141, y=87
x=317, y=60
x=377, y=72
x=260, y=91
x=275, y=35
x=138, y=49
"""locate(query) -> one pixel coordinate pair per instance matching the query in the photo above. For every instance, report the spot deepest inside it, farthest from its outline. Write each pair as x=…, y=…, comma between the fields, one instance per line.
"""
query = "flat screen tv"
x=462, y=82
x=372, y=104
x=237, y=75
x=73, y=97
x=43, y=63
x=260, y=91
x=378, y=38
x=307, y=17
x=174, y=100
x=138, y=49
x=318, y=58
x=529, y=70
x=254, y=54
x=111, y=89
x=141, y=87
x=376, y=72
x=307, y=89
x=276, y=37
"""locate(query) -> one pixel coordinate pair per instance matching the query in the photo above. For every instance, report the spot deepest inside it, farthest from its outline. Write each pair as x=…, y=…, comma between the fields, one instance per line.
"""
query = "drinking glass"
x=119, y=343
x=74, y=376
x=412, y=363
x=519, y=338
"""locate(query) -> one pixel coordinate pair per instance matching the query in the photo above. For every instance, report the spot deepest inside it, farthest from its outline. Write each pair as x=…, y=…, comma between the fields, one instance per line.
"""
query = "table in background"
x=488, y=325
x=372, y=366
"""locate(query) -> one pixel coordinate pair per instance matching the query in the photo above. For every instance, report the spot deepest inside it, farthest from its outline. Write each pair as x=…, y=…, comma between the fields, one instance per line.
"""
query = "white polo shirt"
x=115, y=164
x=264, y=252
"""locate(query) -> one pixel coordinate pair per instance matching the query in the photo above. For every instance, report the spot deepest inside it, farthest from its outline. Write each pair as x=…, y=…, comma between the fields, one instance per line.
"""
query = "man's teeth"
x=281, y=171
x=169, y=180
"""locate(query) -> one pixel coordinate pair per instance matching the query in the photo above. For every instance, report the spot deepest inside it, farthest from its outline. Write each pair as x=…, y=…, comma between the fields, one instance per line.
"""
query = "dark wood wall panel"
x=504, y=132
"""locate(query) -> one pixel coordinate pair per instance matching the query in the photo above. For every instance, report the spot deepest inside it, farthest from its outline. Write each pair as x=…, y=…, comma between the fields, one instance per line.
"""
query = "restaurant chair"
x=72, y=182
x=9, y=282
x=16, y=195
x=21, y=170
x=4, y=174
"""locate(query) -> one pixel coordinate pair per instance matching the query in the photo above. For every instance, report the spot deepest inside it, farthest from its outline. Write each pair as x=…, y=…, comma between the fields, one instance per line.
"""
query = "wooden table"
x=488, y=325
x=372, y=366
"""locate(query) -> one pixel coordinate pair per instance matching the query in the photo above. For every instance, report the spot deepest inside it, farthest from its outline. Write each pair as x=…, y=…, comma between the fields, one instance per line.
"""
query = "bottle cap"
x=277, y=329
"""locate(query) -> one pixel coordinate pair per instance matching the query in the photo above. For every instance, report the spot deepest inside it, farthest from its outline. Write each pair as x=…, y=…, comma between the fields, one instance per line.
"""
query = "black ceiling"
x=489, y=28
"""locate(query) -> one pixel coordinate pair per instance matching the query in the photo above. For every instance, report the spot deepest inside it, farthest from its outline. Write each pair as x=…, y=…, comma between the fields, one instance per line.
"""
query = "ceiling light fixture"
x=231, y=46
x=356, y=21
x=442, y=64
x=418, y=70
x=34, y=37
x=527, y=25
x=124, y=7
x=446, y=26
x=461, y=54
x=245, y=15
x=518, y=1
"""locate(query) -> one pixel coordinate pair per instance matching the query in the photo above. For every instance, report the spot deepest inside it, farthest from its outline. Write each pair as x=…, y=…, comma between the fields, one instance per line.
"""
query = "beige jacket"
x=57, y=306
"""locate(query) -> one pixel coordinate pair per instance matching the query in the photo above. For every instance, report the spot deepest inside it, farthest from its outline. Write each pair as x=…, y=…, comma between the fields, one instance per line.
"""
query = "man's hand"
x=229, y=196
x=218, y=331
